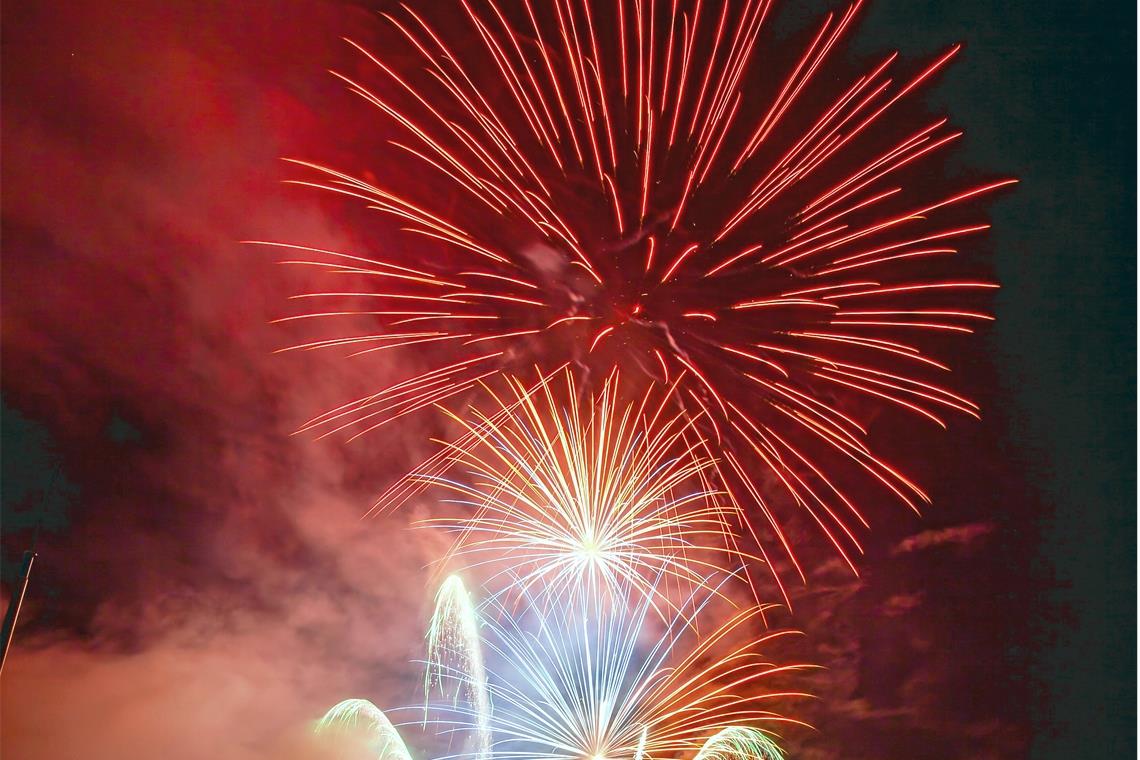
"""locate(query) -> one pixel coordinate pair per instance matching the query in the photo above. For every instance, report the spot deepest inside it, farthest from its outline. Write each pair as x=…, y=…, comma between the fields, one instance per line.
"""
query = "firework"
x=595, y=681
x=740, y=743
x=359, y=723
x=595, y=495
x=617, y=185
x=455, y=658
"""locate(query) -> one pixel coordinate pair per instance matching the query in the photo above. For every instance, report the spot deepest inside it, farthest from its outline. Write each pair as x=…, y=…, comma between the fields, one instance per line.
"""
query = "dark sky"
x=204, y=586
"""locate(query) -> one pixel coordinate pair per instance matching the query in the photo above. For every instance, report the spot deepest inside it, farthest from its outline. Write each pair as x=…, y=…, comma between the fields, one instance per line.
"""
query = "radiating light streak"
x=570, y=496
x=588, y=680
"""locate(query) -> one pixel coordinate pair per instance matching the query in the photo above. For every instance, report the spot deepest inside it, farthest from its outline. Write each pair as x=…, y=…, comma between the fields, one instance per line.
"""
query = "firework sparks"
x=740, y=743
x=596, y=495
x=455, y=658
x=585, y=679
x=585, y=684
x=597, y=191
x=359, y=723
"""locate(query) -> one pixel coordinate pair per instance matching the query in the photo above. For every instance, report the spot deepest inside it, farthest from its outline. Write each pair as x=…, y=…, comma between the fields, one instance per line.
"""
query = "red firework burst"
x=628, y=184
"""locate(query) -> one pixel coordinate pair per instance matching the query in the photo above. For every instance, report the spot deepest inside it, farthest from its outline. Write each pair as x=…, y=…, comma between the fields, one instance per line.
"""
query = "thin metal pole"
x=14, y=606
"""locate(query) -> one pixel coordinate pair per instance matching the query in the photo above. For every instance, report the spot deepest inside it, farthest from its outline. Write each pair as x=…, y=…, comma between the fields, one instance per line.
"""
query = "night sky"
x=204, y=586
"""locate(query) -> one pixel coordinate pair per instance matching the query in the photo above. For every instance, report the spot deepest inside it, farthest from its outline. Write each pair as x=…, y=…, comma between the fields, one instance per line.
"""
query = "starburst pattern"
x=625, y=186
x=598, y=495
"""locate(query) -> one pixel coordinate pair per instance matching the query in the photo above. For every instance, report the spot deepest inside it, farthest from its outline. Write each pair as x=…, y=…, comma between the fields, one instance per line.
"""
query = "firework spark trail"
x=566, y=496
x=740, y=743
x=455, y=658
x=581, y=681
x=359, y=721
x=784, y=257
x=588, y=679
